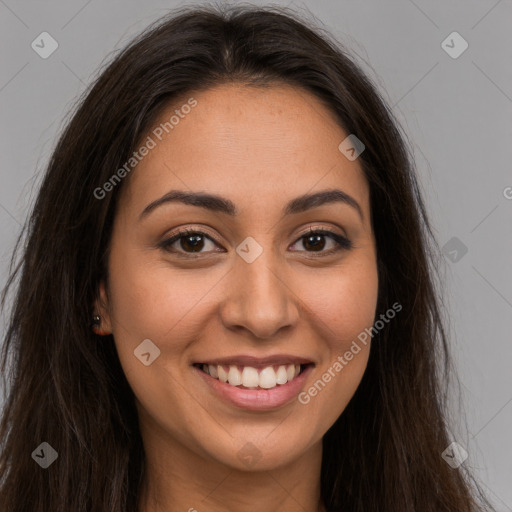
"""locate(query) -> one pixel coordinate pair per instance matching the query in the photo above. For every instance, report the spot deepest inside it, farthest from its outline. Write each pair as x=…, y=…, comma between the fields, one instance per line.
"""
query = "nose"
x=260, y=298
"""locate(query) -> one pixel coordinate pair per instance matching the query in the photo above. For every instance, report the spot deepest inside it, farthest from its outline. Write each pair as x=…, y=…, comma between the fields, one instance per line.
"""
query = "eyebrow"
x=220, y=204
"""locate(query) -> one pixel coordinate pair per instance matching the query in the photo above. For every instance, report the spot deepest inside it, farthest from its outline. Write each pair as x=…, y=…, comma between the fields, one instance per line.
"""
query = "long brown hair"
x=66, y=386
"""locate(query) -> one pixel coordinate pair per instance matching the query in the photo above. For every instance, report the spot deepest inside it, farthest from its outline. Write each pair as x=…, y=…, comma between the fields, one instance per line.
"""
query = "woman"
x=226, y=300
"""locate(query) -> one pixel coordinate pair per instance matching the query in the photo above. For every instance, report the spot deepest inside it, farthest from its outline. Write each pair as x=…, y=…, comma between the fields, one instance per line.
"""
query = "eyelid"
x=191, y=230
x=320, y=227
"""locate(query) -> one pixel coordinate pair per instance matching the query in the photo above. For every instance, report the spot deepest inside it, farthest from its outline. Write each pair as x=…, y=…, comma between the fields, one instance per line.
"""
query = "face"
x=266, y=283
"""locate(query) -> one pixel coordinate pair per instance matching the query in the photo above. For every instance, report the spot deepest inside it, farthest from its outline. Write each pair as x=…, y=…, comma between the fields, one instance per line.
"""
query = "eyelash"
x=342, y=242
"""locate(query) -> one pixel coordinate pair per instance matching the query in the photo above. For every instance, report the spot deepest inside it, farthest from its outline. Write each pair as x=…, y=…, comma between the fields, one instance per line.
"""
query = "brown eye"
x=189, y=242
x=193, y=243
x=196, y=242
x=315, y=241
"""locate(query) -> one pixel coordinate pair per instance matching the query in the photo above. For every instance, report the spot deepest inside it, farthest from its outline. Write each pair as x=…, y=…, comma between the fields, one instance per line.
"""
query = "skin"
x=259, y=148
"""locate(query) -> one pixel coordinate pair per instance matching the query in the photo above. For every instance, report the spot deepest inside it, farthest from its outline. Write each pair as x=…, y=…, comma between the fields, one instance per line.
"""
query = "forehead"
x=252, y=144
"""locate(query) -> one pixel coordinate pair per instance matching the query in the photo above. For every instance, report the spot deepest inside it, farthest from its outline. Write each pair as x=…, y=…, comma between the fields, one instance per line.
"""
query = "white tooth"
x=234, y=376
x=212, y=369
x=250, y=378
x=281, y=375
x=290, y=372
x=267, y=378
x=205, y=369
x=297, y=369
x=223, y=376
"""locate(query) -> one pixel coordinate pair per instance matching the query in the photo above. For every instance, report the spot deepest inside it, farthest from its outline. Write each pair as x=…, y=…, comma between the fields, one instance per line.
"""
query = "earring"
x=96, y=321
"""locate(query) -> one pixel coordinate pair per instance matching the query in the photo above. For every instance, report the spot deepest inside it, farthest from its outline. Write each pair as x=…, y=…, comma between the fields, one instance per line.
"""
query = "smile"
x=255, y=384
x=249, y=377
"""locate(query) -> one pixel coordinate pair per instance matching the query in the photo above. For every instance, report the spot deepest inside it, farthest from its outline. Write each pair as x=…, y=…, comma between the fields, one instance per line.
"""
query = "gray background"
x=457, y=113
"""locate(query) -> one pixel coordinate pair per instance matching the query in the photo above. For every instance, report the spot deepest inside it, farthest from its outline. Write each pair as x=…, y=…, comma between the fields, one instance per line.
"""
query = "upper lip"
x=256, y=362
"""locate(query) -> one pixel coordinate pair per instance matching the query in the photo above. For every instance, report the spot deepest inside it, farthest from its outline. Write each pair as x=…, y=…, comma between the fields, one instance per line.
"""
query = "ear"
x=102, y=308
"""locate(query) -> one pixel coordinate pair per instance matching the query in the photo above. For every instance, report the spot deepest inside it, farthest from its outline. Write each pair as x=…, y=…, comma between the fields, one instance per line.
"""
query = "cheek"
x=344, y=302
x=152, y=301
x=343, y=310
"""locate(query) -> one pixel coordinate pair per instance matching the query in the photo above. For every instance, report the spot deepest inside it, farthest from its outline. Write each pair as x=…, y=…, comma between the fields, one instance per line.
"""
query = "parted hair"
x=65, y=385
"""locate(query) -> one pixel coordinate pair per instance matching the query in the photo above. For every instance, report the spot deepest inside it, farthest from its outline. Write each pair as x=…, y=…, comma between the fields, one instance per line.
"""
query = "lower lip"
x=257, y=399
